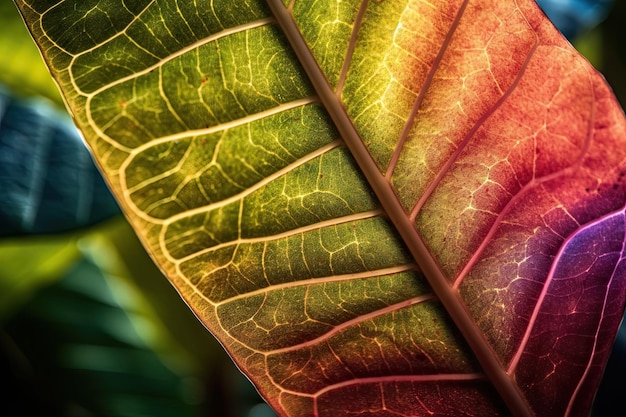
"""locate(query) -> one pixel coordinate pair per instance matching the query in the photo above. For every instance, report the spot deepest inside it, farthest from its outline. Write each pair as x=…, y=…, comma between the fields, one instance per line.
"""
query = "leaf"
x=379, y=208
x=29, y=264
x=22, y=68
x=48, y=180
x=76, y=348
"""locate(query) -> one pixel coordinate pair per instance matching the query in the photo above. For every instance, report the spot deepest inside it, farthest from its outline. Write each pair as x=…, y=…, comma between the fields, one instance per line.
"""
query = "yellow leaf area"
x=236, y=179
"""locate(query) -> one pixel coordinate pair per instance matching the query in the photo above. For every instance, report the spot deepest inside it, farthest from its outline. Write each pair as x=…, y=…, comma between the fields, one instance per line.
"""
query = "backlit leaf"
x=379, y=207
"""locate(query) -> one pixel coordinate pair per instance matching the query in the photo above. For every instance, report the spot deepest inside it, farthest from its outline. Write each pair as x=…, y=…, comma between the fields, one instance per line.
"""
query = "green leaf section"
x=210, y=85
x=328, y=28
x=190, y=172
x=237, y=182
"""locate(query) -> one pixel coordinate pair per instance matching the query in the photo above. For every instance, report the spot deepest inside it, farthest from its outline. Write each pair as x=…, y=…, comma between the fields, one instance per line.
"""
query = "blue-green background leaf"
x=574, y=17
x=48, y=180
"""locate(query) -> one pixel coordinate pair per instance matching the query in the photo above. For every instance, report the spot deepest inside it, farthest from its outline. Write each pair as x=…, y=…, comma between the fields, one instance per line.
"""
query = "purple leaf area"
x=571, y=330
x=539, y=286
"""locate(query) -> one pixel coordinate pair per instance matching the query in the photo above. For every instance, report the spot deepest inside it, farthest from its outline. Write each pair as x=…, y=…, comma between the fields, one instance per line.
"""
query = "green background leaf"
x=48, y=179
x=90, y=325
x=22, y=68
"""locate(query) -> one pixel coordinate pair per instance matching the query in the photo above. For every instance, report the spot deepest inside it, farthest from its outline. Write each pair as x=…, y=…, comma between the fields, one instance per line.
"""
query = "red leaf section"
x=546, y=284
x=510, y=153
x=395, y=398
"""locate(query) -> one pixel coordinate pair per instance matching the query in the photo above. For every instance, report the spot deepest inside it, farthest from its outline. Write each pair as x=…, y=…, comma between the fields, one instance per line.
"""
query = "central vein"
x=449, y=297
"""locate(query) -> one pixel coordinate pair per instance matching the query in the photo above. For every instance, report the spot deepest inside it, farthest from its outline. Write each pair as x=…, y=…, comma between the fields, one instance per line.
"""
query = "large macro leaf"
x=380, y=208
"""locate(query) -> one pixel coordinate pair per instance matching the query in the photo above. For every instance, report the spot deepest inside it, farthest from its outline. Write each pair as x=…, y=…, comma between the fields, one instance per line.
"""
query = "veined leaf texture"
x=380, y=208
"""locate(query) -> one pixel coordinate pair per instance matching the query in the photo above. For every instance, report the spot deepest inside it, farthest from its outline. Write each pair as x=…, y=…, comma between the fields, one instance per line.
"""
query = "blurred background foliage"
x=88, y=325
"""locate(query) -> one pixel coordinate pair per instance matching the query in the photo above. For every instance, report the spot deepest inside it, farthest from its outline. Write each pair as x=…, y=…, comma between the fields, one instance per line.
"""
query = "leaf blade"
x=300, y=201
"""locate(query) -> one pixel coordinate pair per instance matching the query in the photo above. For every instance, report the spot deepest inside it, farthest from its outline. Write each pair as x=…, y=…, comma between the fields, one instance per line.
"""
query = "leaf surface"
x=379, y=207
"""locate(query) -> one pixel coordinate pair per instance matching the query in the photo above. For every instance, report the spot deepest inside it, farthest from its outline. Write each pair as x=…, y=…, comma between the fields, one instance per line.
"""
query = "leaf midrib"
x=450, y=298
